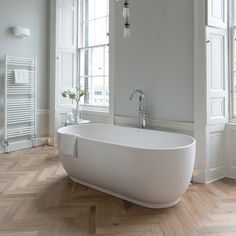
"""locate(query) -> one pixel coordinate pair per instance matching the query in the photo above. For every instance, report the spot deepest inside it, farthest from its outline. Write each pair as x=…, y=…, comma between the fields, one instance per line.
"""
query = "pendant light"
x=127, y=32
x=126, y=11
x=126, y=14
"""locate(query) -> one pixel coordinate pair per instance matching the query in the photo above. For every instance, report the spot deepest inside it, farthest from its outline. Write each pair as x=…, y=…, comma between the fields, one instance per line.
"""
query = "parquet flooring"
x=38, y=198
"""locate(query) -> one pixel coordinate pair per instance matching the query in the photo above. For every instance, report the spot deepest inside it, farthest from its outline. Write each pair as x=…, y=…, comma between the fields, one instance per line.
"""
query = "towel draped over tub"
x=68, y=145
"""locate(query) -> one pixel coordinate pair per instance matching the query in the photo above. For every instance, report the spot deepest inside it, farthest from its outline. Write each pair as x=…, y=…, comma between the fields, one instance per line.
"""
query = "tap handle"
x=146, y=114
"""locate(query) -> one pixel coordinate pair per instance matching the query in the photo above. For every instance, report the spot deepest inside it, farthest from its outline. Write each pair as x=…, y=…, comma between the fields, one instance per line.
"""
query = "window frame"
x=232, y=58
x=232, y=81
x=80, y=21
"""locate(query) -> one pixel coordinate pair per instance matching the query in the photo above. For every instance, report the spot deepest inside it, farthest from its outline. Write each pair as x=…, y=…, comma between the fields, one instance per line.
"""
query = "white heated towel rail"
x=17, y=104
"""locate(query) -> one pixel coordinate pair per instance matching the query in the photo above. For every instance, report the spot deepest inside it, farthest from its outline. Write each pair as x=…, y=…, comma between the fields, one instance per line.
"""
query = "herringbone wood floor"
x=38, y=198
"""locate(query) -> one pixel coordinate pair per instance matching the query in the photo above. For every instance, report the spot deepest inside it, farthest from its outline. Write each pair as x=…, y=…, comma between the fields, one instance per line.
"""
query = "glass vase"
x=77, y=113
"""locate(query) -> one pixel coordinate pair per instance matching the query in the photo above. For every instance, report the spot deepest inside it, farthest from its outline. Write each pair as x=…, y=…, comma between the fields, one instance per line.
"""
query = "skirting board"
x=199, y=176
x=216, y=174
x=175, y=126
x=19, y=145
x=231, y=171
x=41, y=141
x=26, y=144
x=230, y=150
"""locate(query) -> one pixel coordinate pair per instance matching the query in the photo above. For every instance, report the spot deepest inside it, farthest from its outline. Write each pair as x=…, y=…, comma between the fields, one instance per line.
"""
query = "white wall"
x=230, y=150
x=33, y=14
x=158, y=59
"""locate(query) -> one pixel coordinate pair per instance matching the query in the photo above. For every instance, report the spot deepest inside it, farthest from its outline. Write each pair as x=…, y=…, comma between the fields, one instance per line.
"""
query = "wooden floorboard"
x=37, y=198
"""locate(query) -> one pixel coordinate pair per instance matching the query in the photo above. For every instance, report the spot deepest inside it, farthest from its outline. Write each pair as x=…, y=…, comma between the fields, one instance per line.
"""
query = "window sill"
x=231, y=126
x=94, y=109
x=232, y=121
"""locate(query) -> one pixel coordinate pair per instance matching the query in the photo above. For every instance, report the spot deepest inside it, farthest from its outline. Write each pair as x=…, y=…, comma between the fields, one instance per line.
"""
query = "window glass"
x=94, y=52
x=233, y=51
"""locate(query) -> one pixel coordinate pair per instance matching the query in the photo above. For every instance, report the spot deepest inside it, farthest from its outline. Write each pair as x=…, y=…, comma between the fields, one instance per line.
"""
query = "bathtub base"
x=144, y=204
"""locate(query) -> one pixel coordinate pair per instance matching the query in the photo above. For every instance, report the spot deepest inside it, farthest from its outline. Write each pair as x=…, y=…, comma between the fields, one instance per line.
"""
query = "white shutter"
x=66, y=23
x=233, y=46
x=217, y=76
x=66, y=54
x=217, y=13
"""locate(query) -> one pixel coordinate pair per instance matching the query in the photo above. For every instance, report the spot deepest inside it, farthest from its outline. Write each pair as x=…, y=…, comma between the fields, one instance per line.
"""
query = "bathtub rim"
x=193, y=143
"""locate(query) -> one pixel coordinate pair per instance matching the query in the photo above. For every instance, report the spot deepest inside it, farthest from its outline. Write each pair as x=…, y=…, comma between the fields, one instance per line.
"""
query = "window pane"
x=97, y=91
x=94, y=58
x=106, y=51
x=93, y=9
x=94, y=61
x=106, y=91
x=88, y=10
x=234, y=95
x=98, y=88
x=234, y=73
x=101, y=8
x=100, y=31
x=98, y=62
x=95, y=32
x=85, y=62
x=85, y=84
x=95, y=22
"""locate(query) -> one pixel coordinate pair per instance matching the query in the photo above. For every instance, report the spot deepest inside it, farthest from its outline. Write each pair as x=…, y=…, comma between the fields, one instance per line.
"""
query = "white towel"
x=21, y=76
x=68, y=145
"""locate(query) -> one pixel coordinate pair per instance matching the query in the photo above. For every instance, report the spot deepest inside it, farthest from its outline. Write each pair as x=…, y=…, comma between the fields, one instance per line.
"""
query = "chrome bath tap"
x=142, y=112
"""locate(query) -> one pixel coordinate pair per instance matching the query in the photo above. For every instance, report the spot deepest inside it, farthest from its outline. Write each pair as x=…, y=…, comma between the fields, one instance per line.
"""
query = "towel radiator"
x=17, y=104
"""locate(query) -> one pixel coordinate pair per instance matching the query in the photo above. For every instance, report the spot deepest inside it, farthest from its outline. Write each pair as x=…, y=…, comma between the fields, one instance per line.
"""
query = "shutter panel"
x=217, y=13
x=66, y=55
x=217, y=76
x=234, y=70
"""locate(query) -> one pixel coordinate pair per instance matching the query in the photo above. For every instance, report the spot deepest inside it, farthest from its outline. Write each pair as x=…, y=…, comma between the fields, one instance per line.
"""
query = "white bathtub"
x=146, y=167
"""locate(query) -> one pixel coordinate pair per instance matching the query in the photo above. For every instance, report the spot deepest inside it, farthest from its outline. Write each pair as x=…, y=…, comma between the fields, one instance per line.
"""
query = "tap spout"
x=142, y=112
x=137, y=91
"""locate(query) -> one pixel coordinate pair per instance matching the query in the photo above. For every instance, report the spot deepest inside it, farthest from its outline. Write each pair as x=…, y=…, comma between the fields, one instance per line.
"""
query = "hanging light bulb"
x=127, y=32
x=126, y=14
x=126, y=11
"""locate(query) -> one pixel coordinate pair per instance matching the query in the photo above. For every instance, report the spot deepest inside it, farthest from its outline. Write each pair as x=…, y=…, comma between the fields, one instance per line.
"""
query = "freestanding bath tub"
x=146, y=167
